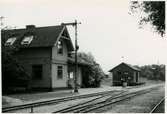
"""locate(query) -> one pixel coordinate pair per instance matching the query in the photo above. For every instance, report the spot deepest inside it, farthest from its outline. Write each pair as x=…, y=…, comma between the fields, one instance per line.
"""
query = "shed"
x=124, y=73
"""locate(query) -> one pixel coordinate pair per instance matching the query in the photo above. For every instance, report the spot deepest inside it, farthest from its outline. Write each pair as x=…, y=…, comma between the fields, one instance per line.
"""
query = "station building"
x=45, y=53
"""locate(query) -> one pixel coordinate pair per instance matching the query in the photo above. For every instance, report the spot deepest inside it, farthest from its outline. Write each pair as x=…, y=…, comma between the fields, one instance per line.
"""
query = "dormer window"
x=10, y=41
x=60, y=47
x=27, y=40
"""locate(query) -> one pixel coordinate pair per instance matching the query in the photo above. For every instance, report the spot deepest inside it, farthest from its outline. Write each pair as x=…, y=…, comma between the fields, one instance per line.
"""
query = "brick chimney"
x=30, y=27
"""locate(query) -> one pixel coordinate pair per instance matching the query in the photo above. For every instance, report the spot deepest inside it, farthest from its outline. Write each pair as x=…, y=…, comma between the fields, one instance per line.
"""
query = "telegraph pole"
x=1, y=21
x=76, y=48
x=122, y=57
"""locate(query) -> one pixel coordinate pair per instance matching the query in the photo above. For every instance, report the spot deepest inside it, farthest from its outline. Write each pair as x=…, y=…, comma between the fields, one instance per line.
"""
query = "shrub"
x=13, y=73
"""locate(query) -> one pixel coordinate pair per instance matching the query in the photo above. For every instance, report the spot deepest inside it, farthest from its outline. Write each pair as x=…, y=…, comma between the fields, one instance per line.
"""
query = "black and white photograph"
x=83, y=56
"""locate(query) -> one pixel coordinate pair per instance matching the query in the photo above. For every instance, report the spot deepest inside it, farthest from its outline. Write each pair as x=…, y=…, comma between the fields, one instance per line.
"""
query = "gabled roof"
x=130, y=66
x=133, y=67
x=43, y=36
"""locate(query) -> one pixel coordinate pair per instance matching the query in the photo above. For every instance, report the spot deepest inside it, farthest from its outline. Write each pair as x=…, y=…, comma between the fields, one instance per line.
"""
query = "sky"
x=107, y=30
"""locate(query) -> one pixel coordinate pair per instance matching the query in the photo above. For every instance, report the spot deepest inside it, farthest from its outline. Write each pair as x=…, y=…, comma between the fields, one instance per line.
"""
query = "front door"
x=137, y=75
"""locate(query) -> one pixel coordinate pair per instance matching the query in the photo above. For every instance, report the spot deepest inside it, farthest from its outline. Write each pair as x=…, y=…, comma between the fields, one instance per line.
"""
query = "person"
x=124, y=82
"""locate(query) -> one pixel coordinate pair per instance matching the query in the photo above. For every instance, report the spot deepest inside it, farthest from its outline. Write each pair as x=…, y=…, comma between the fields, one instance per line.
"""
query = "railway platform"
x=42, y=96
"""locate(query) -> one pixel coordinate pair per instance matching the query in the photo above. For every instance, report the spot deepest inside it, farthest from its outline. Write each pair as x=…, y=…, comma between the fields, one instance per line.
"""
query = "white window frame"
x=27, y=40
x=60, y=46
x=10, y=41
x=59, y=67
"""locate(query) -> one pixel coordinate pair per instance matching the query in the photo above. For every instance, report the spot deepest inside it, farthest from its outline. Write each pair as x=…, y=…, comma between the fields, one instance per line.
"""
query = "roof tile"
x=43, y=36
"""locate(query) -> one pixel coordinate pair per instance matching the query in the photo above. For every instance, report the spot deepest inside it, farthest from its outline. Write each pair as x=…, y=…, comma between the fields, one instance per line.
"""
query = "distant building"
x=124, y=73
x=45, y=54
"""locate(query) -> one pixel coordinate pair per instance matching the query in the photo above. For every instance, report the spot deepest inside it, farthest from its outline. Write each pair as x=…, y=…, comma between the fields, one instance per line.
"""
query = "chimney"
x=30, y=27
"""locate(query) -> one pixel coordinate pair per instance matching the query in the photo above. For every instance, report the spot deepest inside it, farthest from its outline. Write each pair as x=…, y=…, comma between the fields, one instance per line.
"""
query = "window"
x=10, y=41
x=60, y=72
x=37, y=71
x=27, y=40
x=60, y=47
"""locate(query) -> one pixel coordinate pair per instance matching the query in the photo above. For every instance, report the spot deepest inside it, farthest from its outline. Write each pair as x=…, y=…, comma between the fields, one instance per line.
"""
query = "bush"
x=153, y=72
x=93, y=74
x=13, y=73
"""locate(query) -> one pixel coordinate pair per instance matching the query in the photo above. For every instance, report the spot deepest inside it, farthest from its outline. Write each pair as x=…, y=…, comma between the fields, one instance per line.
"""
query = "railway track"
x=81, y=105
x=31, y=106
x=102, y=99
x=97, y=103
x=155, y=108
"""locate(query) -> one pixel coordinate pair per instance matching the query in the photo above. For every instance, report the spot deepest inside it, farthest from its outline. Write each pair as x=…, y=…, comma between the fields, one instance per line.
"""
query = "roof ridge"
x=37, y=27
x=133, y=67
x=49, y=26
x=129, y=65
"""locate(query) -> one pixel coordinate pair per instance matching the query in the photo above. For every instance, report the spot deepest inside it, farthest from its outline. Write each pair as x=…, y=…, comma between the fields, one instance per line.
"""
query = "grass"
x=140, y=104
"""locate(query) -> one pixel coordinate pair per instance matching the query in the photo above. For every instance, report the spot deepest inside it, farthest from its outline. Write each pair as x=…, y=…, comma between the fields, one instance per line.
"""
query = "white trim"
x=10, y=41
x=65, y=38
x=25, y=41
x=59, y=36
x=62, y=69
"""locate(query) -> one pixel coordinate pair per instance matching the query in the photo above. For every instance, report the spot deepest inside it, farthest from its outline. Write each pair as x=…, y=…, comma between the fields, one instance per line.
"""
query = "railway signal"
x=76, y=48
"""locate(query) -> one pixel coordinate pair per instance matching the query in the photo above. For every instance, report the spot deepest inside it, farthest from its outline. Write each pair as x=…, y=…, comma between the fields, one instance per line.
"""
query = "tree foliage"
x=155, y=13
x=153, y=72
x=93, y=74
x=13, y=73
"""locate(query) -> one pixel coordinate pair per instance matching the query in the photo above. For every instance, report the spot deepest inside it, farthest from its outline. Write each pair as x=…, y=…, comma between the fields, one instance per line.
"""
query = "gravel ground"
x=59, y=106
x=42, y=95
x=54, y=107
x=140, y=104
x=34, y=97
x=123, y=107
x=8, y=101
x=160, y=108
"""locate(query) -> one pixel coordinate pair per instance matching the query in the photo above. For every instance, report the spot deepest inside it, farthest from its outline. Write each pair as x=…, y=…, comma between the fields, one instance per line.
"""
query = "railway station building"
x=45, y=53
x=124, y=73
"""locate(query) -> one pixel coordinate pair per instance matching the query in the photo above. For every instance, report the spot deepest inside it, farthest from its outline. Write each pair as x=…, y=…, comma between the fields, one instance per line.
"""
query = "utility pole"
x=76, y=48
x=122, y=57
x=1, y=21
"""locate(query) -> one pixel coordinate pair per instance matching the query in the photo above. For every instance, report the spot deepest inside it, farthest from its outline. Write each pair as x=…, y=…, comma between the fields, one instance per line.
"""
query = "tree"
x=155, y=14
x=153, y=72
x=93, y=74
x=13, y=72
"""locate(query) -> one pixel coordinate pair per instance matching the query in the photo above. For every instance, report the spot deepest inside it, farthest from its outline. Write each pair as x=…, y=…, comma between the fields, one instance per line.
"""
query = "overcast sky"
x=107, y=30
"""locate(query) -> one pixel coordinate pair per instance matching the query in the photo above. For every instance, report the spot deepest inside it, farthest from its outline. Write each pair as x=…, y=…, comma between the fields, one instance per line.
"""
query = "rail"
x=78, y=106
x=156, y=106
x=88, y=106
x=57, y=100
